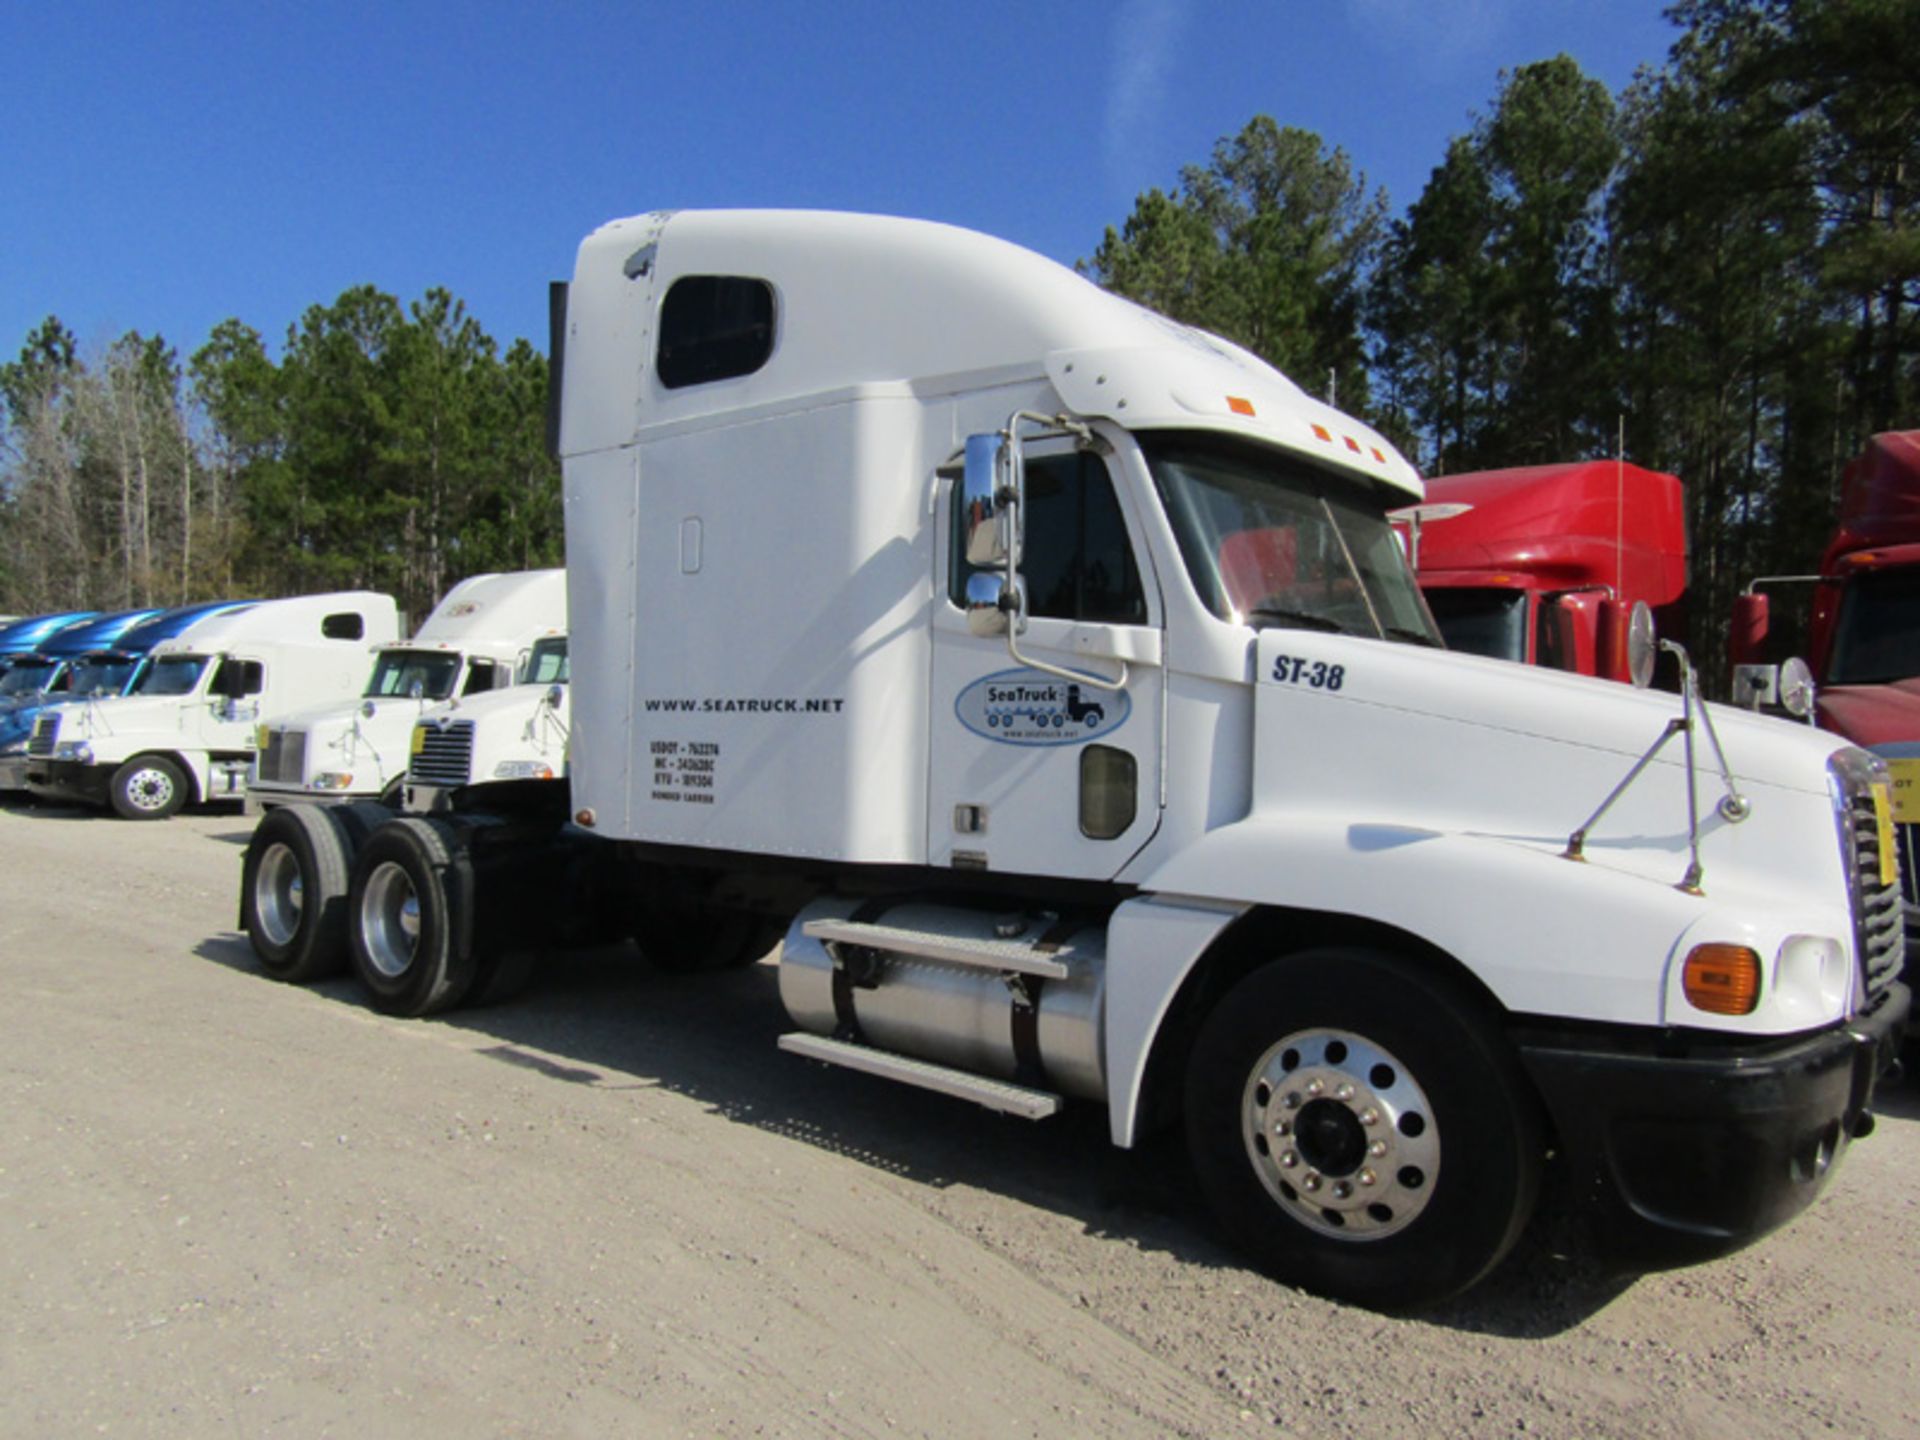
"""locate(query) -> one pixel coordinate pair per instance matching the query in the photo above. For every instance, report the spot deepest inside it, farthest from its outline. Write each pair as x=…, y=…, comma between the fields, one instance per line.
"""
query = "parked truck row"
x=1048, y=679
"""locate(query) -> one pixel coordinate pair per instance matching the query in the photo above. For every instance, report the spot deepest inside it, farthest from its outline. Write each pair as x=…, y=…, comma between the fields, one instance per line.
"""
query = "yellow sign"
x=1906, y=790
x=1883, y=823
x=419, y=739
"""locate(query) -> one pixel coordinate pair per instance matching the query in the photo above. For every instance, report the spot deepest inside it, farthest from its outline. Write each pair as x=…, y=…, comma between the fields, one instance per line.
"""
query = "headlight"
x=78, y=751
x=523, y=770
x=333, y=780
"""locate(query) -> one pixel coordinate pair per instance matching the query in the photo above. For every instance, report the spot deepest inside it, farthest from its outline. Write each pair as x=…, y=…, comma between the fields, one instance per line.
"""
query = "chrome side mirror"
x=554, y=696
x=986, y=615
x=367, y=708
x=1642, y=645
x=1796, y=688
x=982, y=511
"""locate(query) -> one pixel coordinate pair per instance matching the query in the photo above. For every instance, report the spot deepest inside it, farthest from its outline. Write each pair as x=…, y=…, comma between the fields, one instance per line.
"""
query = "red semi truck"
x=1863, y=642
x=1544, y=563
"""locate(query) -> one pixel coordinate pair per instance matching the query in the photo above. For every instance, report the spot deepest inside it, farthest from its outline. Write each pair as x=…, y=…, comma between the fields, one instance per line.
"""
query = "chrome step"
x=994, y=1094
x=1005, y=955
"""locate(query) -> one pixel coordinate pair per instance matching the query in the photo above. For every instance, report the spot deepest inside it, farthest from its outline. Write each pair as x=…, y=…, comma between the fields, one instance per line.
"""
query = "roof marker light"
x=1352, y=444
x=1323, y=433
x=1239, y=406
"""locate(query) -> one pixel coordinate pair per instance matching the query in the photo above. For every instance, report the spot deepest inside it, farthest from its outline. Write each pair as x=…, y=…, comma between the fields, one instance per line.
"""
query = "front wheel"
x=409, y=917
x=1362, y=1129
x=147, y=787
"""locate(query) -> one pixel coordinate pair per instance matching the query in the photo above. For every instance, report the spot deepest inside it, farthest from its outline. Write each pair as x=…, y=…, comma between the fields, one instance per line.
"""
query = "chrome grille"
x=46, y=730
x=284, y=761
x=445, y=756
x=1879, y=918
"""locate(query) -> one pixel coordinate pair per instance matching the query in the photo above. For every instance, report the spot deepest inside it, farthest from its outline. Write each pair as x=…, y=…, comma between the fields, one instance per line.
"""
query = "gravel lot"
x=612, y=1208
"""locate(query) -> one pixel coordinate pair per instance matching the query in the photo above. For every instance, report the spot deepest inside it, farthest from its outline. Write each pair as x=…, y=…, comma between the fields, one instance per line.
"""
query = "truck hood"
x=123, y=715
x=1873, y=715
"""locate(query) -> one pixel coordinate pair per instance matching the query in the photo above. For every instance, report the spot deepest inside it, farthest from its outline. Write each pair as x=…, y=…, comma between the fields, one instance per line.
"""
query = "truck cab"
x=475, y=640
x=184, y=731
x=1543, y=564
x=1047, y=678
x=512, y=735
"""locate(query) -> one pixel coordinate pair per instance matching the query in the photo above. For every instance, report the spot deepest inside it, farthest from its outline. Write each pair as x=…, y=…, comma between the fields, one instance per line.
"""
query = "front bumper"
x=1685, y=1150
x=69, y=780
x=13, y=773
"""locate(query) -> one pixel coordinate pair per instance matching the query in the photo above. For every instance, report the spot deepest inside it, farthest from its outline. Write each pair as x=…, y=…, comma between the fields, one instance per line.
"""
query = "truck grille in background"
x=284, y=761
x=45, y=731
x=445, y=756
x=1879, y=919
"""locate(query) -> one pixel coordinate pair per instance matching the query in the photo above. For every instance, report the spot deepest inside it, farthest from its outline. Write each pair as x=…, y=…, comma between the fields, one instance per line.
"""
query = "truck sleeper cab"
x=1047, y=676
x=473, y=642
x=184, y=732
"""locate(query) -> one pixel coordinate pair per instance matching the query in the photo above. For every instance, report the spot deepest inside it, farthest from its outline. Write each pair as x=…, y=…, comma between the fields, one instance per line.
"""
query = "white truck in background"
x=185, y=731
x=519, y=733
x=1049, y=674
x=476, y=639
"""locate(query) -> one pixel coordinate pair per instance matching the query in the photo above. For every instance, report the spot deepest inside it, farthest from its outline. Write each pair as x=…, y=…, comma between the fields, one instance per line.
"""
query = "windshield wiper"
x=1305, y=619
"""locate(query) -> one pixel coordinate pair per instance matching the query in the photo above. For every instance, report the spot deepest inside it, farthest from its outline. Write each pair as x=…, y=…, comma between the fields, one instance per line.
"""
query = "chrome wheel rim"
x=390, y=920
x=150, y=790
x=1341, y=1135
x=279, y=894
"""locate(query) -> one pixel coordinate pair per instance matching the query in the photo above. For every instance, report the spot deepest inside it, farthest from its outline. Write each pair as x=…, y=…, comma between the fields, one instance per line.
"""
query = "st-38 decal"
x=1030, y=707
x=1314, y=674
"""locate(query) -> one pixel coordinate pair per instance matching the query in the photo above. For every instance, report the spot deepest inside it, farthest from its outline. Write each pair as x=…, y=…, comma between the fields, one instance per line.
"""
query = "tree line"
x=388, y=449
x=1719, y=267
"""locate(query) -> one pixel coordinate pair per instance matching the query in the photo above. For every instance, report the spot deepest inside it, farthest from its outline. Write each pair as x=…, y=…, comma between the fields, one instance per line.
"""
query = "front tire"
x=410, y=917
x=1362, y=1129
x=293, y=893
x=147, y=787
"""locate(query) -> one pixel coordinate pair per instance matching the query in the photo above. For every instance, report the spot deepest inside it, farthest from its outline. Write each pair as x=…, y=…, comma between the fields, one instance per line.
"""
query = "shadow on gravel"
x=608, y=1019
x=22, y=802
x=1901, y=1100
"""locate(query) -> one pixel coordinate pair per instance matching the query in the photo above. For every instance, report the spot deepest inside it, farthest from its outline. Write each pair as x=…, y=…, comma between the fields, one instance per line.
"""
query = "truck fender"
x=1153, y=943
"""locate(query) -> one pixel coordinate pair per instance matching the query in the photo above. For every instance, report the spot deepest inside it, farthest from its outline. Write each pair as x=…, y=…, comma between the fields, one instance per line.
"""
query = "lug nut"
x=1291, y=1100
x=1285, y=1127
x=1342, y=1190
x=1370, y=1116
x=1314, y=1087
x=1345, y=1092
x=1289, y=1160
x=1367, y=1177
x=1310, y=1181
x=1377, y=1149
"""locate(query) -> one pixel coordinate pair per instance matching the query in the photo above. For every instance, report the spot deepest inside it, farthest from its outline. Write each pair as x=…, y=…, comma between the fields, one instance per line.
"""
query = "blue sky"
x=171, y=165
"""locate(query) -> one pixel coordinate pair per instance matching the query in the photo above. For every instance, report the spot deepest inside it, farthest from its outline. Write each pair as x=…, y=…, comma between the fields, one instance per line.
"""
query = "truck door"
x=1033, y=772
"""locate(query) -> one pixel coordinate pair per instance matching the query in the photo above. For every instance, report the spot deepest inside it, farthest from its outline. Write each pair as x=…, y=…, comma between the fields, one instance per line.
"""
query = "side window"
x=714, y=327
x=347, y=625
x=1077, y=562
x=479, y=677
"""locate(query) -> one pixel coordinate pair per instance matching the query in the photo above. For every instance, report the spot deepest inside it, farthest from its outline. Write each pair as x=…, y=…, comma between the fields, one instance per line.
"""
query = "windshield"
x=100, y=676
x=547, y=664
x=1270, y=540
x=396, y=672
x=1877, y=637
x=1481, y=621
x=172, y=675
x=26, y=677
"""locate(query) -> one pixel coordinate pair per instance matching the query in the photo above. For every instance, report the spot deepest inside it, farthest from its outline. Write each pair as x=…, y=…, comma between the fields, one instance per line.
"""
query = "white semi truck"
x=1048, y=675
x=519, y=733
x=185, y=730
x=475, y=640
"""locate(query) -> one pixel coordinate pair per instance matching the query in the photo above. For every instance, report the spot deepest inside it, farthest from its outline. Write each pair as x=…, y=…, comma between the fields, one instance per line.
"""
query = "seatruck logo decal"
x=1030, y=707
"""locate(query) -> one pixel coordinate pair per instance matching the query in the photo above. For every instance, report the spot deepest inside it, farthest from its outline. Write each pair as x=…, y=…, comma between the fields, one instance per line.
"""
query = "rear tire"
x=148, y=787
x=293, y=893
x=410, y=917
x=1362, y=1128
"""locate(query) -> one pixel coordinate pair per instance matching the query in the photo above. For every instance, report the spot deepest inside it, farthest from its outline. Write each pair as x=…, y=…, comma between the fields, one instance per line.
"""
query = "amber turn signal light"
x=1722, y=979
